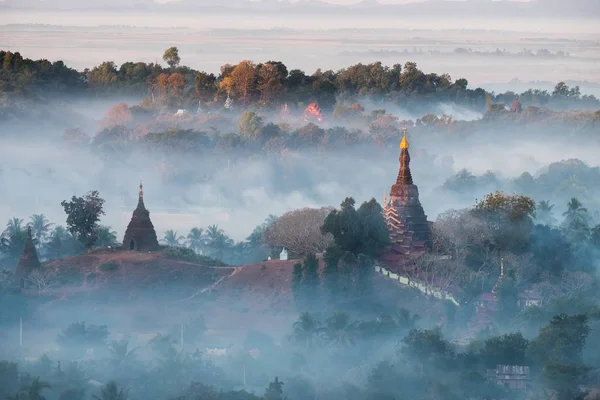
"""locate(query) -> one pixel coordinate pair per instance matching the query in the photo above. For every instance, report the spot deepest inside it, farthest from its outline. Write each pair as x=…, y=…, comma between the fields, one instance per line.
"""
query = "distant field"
x=208, y=44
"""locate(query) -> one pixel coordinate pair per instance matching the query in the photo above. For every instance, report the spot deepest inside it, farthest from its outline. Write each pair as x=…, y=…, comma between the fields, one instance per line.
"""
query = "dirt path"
x=211, y=287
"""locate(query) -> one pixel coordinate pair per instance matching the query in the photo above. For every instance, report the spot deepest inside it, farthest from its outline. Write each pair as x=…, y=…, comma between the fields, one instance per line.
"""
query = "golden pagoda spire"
x=404, y=142
x=384, y=199
x=141, y=190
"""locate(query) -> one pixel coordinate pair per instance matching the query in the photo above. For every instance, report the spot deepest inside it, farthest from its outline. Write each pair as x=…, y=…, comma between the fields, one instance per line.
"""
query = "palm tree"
x=111, y=392
x=106, y=237
x=172, y=239
x=575, y=210
x=75, y=376
x=61, y=243
x=12, y=240
x=33, y=391
x=306, y=330
x=217, y=241
x=543, y=213
x=121, y=354
x=339, y=329
x=40, y=227
x=576, y=223
x=404, y=319
x=196, y=240
x=55, y=246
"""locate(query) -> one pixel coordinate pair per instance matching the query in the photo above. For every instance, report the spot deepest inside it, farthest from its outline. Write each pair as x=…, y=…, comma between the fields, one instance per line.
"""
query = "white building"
x=283, y=255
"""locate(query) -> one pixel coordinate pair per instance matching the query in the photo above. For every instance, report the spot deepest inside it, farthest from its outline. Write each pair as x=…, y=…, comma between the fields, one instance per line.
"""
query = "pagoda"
x=28, y=261
x=403, y=213
x=140, y=234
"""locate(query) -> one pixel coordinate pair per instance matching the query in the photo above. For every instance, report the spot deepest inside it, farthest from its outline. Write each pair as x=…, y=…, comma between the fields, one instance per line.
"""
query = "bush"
x=78, y=334
x=109, y=267
x=185, y=254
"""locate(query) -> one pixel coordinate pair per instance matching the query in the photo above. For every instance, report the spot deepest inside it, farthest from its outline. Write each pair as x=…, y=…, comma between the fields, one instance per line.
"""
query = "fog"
x=238, y=192
x=206, y=41
x=237, y=327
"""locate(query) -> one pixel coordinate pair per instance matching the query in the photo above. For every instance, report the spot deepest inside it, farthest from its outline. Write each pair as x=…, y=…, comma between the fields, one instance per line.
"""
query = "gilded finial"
x=384, y=199
x=404, y=143
x=141, y=189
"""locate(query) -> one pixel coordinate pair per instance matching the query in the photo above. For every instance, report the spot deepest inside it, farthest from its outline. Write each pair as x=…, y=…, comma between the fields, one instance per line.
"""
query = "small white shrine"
x=283, y=255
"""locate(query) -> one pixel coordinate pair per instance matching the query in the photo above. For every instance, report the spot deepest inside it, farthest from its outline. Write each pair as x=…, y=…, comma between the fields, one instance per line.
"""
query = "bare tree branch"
x=299, y=231
x=43, y=279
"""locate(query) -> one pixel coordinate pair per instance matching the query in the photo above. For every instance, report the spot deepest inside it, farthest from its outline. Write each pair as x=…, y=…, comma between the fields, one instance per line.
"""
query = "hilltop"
x=134, y=270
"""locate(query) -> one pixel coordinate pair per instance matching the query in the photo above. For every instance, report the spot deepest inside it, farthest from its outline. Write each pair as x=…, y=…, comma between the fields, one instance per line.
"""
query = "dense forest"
x=262, y=85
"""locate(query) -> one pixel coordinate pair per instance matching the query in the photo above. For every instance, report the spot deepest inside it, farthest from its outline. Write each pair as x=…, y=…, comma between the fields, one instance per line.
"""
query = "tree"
x=177, y=84
x=510, y=218
x=465, y=237
x=119, y=114
x=121, y=355
x=562, y=340
x=12, y=240
x=271, y=78
x=62, y=243
x=196, y=240
x=110, y=391
x=32, y=391
x=364, y=279
x=42, y=278
x=250, y=125
x=565, y=379
x=595, y=236
x=340, y=330
x=299, y=231
x=427, y=348
x=561, y=90
x=40, y=227
x=297, y=285
x=81, y=335
x=83, y=214
x=217, y=242
x=243, y=79
x=405, y=320
x=311, y=281
x=106, y=237
x=306, y=330
x=509, y=349
x=171, y=56
x=331, y=274
x=205, y=87
x=576, y=221
x=543, y=213
x=172, y=239
x=275, y=390
x=361, y=231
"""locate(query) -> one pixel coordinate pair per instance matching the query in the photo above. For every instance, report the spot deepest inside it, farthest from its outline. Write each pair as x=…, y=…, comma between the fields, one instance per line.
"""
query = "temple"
x=403, y=213
x=28, y=262
x=140, y=234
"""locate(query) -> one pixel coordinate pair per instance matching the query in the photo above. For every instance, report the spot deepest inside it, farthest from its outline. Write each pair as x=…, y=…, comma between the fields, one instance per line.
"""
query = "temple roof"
x=29, y=259
x=141, y=198
x=140, y=234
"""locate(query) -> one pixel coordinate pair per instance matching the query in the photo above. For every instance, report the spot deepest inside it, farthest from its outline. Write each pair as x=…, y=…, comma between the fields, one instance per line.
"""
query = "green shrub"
x=185, y=254
x=109, y=267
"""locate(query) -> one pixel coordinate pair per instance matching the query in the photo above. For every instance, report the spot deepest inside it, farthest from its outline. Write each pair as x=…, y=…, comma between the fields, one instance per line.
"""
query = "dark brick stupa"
x=403, y=213
x=140, y=234
x=28, y=262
